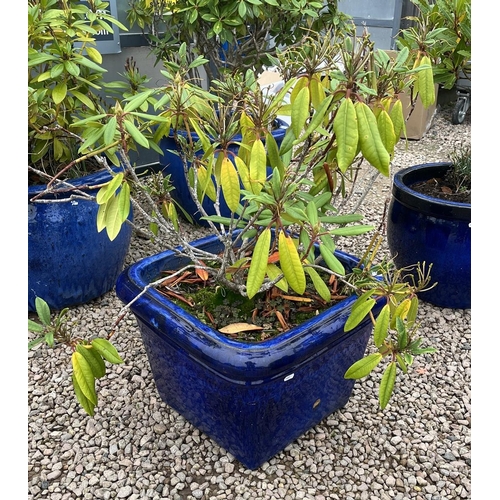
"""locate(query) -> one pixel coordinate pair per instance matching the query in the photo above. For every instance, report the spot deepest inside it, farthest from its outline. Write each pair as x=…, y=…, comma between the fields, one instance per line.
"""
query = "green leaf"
x=230, y=183
x=382, y=325
x=43, y=310
x=319, y=284
x=108, y=191
x=109, y=131
x=136, y=134
x=273, y=271
x=258, y=265
x=358, y=314
x=107, y=350
x=291, y=264
x=35, y=327
x=363, y=367
x=93, y=358
x=85, y=403
x=345, y=127
x=387, y=384
x=59, y=93
x=300, y=111
x=351, y=230
x=257, y=167
x=84, y=377
x=326, y=252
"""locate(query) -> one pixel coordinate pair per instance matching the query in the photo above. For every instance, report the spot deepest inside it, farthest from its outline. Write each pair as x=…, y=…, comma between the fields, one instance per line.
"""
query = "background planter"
x=422, y=228
x=172, y=165
x=252, y=399
x=69, y=262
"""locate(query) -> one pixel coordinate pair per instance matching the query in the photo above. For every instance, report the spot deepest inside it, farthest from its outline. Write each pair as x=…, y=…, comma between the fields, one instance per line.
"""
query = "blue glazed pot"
x=171, y=164
x=253, y=399
x=69, y=262
x=422, y=228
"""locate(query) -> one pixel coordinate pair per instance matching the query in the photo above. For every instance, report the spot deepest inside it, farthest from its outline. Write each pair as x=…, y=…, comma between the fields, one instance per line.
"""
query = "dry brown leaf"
x=239, y=327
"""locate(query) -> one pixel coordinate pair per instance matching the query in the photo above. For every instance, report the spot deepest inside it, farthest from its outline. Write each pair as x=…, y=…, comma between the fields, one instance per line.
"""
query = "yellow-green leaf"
x=363, y=367
x=109, y=131
x=386, y=130
x=401, y=311
x=300, y=111
x=382, y=326
x=358, y=314
x=319, y=284
x=258, y=265
x=345, y=126
x=85, y=402
x=230, y=183
x=107, y=350
x=93, y=358
x=206, y=184
x=84, y=376
x=397, y=118
x=426, y=83
x=257, y=167
x=291, y=264
x=273, y=271
x=387, y=384
x=372, y=146
x=109, y=190
x=136, y=134
x=59, y=92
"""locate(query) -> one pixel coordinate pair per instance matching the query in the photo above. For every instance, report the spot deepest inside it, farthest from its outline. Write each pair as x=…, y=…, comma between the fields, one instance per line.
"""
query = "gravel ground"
x=136, y=447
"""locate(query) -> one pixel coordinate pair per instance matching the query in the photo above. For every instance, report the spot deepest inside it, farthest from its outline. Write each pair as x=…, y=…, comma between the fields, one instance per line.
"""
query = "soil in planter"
x=249, y=320
x=445, y=188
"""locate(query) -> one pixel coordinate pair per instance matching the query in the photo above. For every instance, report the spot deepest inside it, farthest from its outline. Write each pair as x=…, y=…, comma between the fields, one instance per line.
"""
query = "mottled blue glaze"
x=422, y=228
x=172, y=165
x=253, y=399
x=69, y=262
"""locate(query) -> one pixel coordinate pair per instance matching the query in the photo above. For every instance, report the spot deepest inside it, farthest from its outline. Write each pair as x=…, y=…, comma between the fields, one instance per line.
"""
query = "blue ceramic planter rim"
x=234, y=359
x=94, y=178
x=402, y=191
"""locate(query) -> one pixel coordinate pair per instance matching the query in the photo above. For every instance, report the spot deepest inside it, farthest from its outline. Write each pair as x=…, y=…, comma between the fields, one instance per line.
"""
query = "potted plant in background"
x=277, y=248
x=429, y=220
x=69, y=261
x=231, y=36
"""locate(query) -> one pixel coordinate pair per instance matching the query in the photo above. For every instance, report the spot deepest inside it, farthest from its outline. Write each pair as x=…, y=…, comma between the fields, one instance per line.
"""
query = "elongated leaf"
x=35, y=327
x=59, y=93
x=273, y=271
x=387, y=384
x=257, y=167
x=401, y=311
x=85, y=402
x=290, y=264
x=136, y=134
x=93, y=358
x=107, y=350
x=312, y=213
x=110, y=130
x=345, y=126
x=331, y=261
x=363, y=367
x=397, y=117
x=84, y=376
x=358, y=314
x=386, y=130
x=351, y=230
x=43, y=310
x=319, y=284
x=372, y=146
x=382, y=326
x=300, y=111
x=230, y=183
x=258, y=265
x=426, y=83
x=109, y=190
x=317, y=92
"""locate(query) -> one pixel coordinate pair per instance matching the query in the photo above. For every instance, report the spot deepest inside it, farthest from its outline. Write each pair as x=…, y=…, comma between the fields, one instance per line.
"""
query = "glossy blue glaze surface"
x=69, y=262
x=173, y=166
x=422, y=228
x=253, y=399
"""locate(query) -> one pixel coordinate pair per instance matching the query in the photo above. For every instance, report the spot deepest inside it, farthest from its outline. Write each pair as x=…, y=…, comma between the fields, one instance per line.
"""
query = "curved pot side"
x=69, y=262
x=425, y=229
x=251, y=398
x=172, y=165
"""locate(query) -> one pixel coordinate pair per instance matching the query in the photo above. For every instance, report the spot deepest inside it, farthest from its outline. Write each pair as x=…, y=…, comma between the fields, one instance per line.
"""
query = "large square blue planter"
x=69, y=262
x=253, y=399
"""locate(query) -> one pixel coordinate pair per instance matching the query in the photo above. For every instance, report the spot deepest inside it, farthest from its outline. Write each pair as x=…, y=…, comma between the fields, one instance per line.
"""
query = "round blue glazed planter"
x=421, y=228
x=69, y=262
x=171, y=164
x=253, y=399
